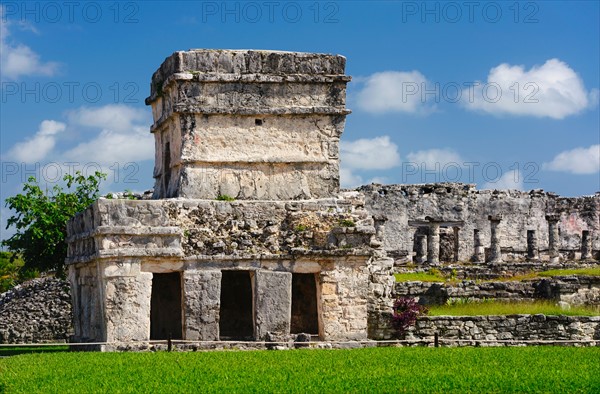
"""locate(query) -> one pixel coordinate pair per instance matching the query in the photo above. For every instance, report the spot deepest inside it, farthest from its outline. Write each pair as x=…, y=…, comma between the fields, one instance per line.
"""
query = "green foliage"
x=477, y=307
x=225, y=197
x=301, y=227
x=12, y=272
x=374, y=370
x=41, y=217
x=347, y=223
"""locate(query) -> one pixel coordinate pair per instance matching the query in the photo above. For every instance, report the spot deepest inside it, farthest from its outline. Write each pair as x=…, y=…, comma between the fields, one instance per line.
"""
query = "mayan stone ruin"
x=248, y=236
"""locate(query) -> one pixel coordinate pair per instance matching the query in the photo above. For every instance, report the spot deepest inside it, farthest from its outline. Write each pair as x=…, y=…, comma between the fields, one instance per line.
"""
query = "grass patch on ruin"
x=415, y=370
x=595, y=271
x=419, y=276
x=489, y=307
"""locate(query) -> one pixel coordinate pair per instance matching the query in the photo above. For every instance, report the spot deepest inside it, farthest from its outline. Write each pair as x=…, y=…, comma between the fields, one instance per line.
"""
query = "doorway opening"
x=305, y=318
x=236, y=317
x=165, y=306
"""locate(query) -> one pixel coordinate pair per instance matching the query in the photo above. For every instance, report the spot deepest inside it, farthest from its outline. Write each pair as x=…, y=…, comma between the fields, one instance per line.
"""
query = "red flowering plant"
x=406, y=312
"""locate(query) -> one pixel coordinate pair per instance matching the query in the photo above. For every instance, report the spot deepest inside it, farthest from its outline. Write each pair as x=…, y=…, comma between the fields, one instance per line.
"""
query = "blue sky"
x=501, y=94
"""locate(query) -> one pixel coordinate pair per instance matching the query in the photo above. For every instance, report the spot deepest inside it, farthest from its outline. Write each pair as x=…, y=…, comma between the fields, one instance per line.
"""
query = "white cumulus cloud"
x=349, y=179
x=124, y=135
x=378, y=153
x=576, y=161
x=37, y=147
x=511, y=180
x=115, y=117
x=394, y=91
x=17, y=59
x=434, y=158
x=552, y=90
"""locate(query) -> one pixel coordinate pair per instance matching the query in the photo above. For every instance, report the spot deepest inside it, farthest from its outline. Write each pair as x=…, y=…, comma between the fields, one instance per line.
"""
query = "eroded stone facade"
x=246, y=213
x=248, y=236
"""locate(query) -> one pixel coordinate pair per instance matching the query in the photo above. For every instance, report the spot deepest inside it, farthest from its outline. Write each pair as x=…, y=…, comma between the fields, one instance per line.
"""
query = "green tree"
x=41, y=219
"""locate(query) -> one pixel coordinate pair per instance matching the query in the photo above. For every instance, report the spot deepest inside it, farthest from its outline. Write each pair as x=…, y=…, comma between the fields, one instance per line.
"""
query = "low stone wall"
x=503, y=270
x=512, y=327
x=36, y=311
x=574, y=290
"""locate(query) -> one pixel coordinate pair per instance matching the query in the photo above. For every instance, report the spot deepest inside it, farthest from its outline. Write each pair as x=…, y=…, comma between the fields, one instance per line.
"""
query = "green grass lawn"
x=458, y=370
x=13, y=351
x=508, y=308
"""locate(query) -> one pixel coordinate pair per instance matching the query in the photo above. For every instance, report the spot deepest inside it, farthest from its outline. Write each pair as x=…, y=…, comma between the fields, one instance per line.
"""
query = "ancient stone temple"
x=247, y=236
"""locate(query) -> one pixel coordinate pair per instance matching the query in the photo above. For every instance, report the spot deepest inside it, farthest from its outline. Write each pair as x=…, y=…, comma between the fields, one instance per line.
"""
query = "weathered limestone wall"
x=202, y=289
x=248, y=124
x=512, y=327
x=344, y=301
x=519, y=211
x=573, y=290
x=88, y=316
x=116, y=246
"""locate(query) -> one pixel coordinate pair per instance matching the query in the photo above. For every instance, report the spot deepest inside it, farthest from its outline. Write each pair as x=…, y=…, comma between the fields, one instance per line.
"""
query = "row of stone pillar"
x=495, y=253
x=427, y=247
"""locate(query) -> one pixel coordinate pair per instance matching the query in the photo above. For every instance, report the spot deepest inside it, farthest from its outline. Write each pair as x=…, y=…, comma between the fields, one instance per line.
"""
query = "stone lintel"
x=441, y=223
x=193, y=109
x=125, y=230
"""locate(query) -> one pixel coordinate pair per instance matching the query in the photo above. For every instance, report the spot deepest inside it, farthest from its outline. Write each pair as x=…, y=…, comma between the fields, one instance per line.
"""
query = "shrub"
x=406, y=312
x=40, y=220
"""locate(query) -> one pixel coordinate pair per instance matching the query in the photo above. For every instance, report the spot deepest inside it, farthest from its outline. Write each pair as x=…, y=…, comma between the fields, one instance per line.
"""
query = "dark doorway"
x=304, y=304
x=165, y=306
x=236, y=319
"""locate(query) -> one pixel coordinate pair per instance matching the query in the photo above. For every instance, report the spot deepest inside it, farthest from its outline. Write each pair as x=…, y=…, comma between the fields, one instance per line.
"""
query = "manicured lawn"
x=509, y=308
x=13, y=351
x=458, y=370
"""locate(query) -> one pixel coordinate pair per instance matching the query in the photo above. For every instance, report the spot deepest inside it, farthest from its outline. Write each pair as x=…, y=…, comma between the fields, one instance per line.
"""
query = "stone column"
x=495, y=251
x=201, y=303
x=456, y=242
x=553, y=238
x=273, y=303
x=586, y=245
x=421, y=249
x=478, y=250
x=127, y=293
x=532, y=246
x=433, y=244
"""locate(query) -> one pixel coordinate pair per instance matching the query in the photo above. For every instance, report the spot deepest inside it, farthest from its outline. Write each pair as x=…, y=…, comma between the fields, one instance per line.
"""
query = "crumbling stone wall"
x=36, y=311
x=519, y=211
x=512, y=327
x=573, y=290
x=122, y=243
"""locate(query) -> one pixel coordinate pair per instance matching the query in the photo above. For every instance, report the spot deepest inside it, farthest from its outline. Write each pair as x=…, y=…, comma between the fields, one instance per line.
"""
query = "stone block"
x=273, y=302
x=201, y=301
